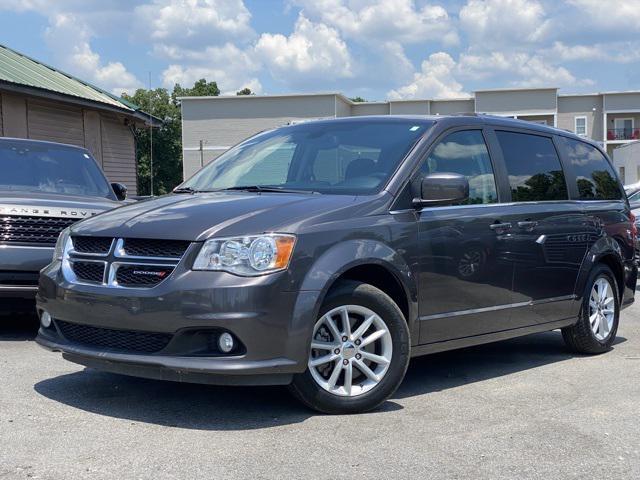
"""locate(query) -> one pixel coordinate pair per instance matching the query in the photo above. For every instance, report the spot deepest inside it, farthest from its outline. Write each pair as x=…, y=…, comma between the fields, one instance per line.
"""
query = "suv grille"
x=27, y=229
x=23, y=279
x=121, y=340
x=142, y=276
x=139, y=247
x=89, y=271
x=97, y=245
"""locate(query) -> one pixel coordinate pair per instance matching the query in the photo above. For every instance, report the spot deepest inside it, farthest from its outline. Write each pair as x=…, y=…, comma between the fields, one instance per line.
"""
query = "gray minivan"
x=324, y=255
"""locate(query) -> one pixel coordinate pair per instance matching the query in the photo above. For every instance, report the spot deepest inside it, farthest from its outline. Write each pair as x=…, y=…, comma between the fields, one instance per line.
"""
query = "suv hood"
x=203, y=215
x=53, y=205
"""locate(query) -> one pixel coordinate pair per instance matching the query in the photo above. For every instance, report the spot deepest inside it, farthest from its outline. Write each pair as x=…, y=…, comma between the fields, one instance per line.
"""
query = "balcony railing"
x=623, y=134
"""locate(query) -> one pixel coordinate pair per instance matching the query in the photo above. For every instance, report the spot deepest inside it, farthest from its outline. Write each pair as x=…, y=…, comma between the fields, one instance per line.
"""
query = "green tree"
x=167, y=139
x=358, y=99
x=245, y=91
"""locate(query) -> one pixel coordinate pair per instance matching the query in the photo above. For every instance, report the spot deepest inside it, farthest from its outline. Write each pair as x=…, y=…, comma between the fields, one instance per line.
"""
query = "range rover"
x=44, y=188
x=324, y=255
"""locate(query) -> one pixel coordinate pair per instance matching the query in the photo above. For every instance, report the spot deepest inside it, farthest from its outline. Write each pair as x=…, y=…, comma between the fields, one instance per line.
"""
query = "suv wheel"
x=597, y=325
x=359, y=351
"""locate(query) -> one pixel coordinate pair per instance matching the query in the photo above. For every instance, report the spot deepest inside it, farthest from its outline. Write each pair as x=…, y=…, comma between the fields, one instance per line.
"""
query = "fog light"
x=45, y=319
x=225, y=342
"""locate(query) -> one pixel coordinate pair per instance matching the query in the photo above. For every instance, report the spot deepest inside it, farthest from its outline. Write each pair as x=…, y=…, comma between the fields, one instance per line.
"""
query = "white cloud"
x=522, y=69
x=195, y=22
x=618, y=15
x=384, y=20
x=229, y=66
x=69, y=38
x=504, y=23
x=313, y=50
x=436, y=79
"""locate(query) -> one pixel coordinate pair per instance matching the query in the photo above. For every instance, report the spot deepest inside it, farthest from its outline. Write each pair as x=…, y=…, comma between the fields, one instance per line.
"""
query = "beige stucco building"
x=213, y=124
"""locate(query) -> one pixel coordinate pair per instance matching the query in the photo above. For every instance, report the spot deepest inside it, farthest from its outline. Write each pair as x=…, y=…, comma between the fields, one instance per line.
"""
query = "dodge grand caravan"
x=44, y=187
x=324, y=255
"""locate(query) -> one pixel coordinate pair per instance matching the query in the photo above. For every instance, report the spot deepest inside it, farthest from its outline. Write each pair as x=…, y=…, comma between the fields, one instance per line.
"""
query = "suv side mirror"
x=442, y=189
x=120, y=190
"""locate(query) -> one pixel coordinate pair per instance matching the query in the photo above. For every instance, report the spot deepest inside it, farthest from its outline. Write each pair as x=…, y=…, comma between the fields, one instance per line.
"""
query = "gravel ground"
x=518, y=409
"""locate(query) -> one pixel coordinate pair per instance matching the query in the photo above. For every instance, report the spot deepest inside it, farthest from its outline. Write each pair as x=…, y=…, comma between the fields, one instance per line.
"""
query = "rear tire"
x=596, y=328
x=354, y=367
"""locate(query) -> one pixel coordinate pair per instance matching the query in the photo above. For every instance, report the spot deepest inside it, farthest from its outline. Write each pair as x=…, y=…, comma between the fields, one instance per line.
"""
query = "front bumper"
x=273, y=325
x=19, y=267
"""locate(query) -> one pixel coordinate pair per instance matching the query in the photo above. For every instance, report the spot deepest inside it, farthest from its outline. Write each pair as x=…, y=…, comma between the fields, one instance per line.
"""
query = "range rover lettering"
x=324, y=255
x=44, y=188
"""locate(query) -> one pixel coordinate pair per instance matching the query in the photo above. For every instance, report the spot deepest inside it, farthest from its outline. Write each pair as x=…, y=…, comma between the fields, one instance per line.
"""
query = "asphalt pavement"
x=520, y=409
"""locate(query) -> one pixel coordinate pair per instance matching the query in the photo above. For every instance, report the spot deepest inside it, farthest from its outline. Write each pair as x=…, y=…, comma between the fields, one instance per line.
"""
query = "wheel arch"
x=605, y=251
x=368, y=261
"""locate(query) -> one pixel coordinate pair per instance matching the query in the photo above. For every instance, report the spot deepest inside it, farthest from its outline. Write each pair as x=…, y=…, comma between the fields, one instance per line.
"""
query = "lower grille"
x=112, y=339
x=28, y=229
x=142, y=276
x=89, y=271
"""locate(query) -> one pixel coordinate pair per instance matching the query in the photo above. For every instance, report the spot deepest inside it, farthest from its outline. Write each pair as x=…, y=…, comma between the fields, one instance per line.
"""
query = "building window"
x=539, y=122
x=581, y=126
x=622, y=175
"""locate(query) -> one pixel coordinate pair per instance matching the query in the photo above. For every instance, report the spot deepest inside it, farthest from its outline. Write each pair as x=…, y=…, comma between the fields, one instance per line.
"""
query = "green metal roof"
x=22, y=70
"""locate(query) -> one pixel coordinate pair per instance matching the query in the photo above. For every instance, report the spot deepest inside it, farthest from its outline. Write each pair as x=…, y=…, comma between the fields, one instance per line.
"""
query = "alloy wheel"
x=601, y=308
x=351, y=350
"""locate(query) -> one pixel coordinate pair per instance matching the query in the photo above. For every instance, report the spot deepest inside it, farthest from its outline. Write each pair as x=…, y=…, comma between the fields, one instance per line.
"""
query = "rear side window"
x=465, y=153
x=595, y=177
x=533, y=166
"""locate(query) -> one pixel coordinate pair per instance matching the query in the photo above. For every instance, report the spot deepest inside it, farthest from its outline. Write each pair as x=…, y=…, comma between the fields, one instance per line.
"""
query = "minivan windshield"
x=341, y=157
x=48, y=168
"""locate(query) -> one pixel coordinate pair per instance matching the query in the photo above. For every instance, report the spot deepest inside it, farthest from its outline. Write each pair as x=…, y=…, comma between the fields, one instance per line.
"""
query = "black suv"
x=324, y=255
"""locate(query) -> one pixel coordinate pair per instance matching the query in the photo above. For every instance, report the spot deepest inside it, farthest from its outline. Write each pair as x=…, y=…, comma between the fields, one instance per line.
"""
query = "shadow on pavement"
x=18, y=327
x=204, y=407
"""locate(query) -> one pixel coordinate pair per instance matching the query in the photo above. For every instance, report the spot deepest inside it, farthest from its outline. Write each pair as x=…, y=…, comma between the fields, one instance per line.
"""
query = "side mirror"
x=120, y=190
x=442, y=189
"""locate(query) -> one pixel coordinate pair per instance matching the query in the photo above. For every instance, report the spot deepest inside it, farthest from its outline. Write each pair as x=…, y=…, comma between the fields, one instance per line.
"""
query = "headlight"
x=251, y=255
x=63, y=239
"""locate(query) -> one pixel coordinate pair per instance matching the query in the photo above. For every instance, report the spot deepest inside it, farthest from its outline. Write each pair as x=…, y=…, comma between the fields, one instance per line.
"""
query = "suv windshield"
x=49, y=168
x=350, y=157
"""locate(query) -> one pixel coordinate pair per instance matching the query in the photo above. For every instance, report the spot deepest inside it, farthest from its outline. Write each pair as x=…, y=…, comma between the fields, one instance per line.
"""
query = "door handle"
x=500, y=227
x=527, y=225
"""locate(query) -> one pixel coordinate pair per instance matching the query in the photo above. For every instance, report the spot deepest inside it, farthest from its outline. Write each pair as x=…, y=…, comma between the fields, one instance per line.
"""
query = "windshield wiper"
x=185, y=190
x=258, y=188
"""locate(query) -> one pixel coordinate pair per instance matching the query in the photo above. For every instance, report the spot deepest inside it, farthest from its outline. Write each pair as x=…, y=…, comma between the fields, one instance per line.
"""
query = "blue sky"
x=377, y=49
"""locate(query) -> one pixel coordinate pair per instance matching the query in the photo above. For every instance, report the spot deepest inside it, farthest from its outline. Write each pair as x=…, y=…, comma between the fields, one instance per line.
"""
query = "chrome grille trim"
x=112, y=261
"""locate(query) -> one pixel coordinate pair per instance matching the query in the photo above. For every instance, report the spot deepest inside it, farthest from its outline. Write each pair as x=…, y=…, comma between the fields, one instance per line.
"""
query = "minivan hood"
x=203, y=215
x=53, y=205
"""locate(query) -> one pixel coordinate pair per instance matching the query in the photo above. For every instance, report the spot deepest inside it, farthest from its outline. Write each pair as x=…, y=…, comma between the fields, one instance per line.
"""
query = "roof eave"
x=83, y=102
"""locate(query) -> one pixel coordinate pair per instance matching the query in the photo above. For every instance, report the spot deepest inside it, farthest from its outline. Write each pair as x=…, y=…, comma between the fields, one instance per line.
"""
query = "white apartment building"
x=211, y=125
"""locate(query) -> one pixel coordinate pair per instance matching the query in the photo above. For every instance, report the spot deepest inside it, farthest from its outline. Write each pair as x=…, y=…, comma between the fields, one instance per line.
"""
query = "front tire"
x=597, y=325
x=359, y=351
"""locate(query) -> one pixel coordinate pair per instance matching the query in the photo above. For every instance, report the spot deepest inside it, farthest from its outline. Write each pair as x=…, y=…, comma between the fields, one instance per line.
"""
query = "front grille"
x=140, y=247
x=28, y=229
x=89, y=271
x=120, y=340
x=98, y=245
x=22, y=279
x=142, y=276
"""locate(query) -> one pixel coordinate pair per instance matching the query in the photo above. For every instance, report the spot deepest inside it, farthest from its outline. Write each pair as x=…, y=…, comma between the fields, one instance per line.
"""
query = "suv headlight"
x=61, y=244
x=249, y=256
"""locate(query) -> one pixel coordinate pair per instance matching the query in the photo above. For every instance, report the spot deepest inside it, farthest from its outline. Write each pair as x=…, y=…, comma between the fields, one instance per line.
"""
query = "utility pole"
x=150, y=135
